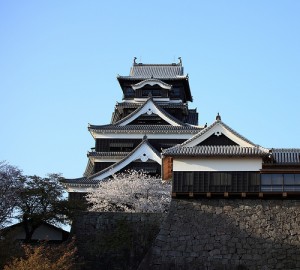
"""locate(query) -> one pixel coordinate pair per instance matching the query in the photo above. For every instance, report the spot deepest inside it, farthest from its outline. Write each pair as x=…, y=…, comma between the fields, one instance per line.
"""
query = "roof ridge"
x=148, y=64
x=295, y=150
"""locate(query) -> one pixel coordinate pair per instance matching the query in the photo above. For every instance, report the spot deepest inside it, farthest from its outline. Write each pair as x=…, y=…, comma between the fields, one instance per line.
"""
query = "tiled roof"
x=164, y=72
x=91, y=181
x=134, y=105
x=286, y=156
x=107, y=154
x=211, y=126
x=74, y=181
x=215, y=150
x=129, y=105
x=154, y=129
x=129, y=154
x=159, y=109
x=89, y=169
x=156, y=71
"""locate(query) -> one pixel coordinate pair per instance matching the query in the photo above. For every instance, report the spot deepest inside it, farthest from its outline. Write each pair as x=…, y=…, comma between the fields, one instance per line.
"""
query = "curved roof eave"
x=110, y=170
x=151, y=82
x=164, y=114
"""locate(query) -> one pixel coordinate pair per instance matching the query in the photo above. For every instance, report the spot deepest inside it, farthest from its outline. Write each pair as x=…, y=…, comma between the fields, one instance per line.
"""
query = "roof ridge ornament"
x=218, y=117
x=180, y=60
x=134, y=61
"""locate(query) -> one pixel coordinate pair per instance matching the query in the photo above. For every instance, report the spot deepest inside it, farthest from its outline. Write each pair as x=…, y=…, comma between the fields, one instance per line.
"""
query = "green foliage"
x=42, y=200
x=45, y=257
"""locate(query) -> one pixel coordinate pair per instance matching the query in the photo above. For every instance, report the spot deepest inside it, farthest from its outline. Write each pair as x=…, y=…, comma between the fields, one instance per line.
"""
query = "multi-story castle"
x=153, y=115
x=153, y=129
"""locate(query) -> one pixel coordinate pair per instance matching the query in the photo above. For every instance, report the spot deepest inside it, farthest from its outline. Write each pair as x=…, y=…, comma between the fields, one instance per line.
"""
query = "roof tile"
x=215, y=150
x=156, y=71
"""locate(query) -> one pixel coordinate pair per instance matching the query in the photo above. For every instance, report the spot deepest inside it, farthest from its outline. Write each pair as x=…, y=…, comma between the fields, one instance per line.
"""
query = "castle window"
x=129, y=92
x=175, y=93
x=152, y=92
x=280, y=182
x=291, y=182
x=120, y=147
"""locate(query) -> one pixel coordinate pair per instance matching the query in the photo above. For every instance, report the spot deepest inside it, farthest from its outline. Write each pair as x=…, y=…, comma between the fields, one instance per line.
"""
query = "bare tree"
x=10, y=185
x=132, y=191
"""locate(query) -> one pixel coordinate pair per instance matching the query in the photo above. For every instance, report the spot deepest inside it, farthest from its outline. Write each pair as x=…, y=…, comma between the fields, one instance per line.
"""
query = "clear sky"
x=59, y=61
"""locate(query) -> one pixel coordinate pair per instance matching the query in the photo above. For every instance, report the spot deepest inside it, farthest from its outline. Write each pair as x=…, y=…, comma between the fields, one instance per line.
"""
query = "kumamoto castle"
x=235, y=203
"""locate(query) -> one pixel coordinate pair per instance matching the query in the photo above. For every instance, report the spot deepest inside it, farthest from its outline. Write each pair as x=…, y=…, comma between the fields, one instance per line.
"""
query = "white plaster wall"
x=232, y=164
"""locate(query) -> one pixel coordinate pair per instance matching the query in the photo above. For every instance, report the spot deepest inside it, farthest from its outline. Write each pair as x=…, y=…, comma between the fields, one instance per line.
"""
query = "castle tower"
x=153, y=115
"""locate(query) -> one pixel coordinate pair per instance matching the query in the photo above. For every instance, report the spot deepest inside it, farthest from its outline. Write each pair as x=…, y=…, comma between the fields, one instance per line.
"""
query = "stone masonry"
x=228, y=234
x=114, y=240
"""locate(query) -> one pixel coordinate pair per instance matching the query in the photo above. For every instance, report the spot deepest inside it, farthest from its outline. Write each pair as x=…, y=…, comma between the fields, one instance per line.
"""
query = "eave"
x=184, y=79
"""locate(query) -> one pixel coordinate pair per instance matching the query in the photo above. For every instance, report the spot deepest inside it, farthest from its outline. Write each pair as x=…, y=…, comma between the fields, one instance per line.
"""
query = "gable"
x=218, y=129
x=143, y=152
x=215, y=139
x=146, y=119
x=149, y=108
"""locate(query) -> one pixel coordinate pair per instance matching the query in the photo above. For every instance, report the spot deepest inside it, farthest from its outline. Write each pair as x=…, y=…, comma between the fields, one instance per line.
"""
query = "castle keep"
x=153, y=115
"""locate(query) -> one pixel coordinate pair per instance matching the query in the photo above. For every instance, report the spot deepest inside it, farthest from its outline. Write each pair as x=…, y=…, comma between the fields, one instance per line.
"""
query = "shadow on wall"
x=115, y=240
x=228, y=234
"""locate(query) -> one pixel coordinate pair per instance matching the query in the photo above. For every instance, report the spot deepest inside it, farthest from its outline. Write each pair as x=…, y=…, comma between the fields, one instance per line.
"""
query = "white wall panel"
x=232, y=164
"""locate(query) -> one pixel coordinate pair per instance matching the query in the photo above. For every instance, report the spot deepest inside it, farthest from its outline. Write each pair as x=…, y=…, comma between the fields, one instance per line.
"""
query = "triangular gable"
x=146, y=119
x=221, y=139
x=218, y=128
x=149, y=108
x=144, y=152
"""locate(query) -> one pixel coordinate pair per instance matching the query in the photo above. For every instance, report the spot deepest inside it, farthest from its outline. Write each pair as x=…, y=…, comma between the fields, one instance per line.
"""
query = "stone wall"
x=228, y=234
x=114, y=240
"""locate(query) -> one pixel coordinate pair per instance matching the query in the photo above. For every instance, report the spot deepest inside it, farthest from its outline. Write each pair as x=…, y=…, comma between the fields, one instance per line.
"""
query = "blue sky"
x=59, y=61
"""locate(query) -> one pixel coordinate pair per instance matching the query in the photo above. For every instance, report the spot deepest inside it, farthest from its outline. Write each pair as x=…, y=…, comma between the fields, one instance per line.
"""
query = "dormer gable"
x=144, y=152
x=149, y=108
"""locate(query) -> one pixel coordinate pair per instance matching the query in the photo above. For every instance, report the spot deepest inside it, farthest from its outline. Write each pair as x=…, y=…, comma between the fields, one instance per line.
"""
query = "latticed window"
x=152, y=92
x=280, y=182
x=200, y=181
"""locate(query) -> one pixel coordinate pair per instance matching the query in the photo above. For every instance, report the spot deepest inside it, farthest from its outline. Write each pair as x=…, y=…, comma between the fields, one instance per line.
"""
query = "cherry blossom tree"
x=131, y=191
